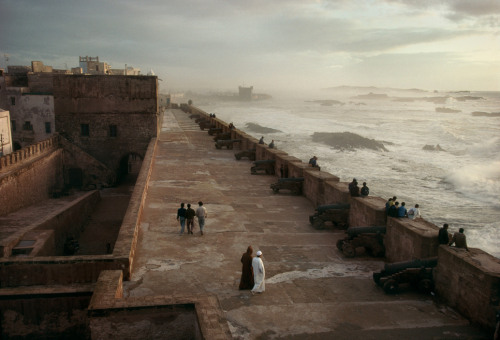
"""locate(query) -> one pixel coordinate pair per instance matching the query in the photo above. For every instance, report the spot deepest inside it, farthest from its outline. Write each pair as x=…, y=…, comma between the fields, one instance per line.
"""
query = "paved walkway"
x=312, y=292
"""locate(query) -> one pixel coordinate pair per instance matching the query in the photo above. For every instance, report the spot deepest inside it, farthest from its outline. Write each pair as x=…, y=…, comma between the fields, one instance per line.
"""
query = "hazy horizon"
x=287, y=45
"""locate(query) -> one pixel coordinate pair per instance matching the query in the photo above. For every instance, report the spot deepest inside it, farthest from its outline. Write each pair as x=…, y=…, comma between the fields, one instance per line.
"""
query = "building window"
x=48, y=128
x=113, y=131
x=27, y=126
x=13, y=125
x=12, y=100
x=85, y=129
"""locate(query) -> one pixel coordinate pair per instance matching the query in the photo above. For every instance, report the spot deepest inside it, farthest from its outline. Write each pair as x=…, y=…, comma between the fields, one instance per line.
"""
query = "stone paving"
x=312, y=292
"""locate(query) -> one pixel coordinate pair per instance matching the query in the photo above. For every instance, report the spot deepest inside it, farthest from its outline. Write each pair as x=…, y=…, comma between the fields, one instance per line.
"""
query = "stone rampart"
x=36, y=175
x=28, y=153
x=405, y=239
x=470, y=282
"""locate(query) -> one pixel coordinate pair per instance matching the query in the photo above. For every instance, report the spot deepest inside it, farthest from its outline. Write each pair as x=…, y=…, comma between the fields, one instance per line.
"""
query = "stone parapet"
x=470, y=282
x=337, y=192
x=315, y=185
x=367, y=211
x=408, y=239
x=28, y=153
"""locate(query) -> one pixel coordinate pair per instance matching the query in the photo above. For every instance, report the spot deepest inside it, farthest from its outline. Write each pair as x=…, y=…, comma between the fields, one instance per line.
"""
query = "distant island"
x=347, y=141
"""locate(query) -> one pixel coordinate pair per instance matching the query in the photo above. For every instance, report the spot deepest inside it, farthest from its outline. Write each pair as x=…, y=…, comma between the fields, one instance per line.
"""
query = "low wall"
x=28, y=153
x=367, y=211
x=408, y=239
x=470, y=282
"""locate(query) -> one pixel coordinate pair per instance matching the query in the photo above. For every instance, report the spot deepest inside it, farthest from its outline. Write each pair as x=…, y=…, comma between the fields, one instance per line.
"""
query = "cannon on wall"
x=416, y=273
x=263, y=166
x=250, y=154
x=194, y=116
x=205, y=124
x=294, y=184
x=228, y=143
x=222, y=136
x=337, y=214
x=371, y=238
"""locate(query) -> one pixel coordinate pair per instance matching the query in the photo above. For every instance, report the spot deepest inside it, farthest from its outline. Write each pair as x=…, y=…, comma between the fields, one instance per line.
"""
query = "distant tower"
x=245, y=93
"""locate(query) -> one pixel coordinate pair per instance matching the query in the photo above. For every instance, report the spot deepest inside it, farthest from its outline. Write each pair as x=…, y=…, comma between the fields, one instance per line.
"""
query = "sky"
x=269, y=44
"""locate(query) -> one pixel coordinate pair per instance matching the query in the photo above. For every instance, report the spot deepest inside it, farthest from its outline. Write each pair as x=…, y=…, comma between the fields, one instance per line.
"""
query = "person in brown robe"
x=246, y=281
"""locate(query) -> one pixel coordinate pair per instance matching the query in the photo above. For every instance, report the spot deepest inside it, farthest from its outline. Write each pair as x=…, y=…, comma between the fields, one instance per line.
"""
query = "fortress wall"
x=461, y=279
x=407, y=239
x=337, y=192
x=469, y=282
x=45, y=313
x=28, y=153
x=129, y=231
x=31, y=183
x=367, y=211
x=315, y=186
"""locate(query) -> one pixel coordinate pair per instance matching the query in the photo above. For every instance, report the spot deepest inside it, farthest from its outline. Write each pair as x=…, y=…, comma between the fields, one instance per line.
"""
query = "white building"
x=5, y=134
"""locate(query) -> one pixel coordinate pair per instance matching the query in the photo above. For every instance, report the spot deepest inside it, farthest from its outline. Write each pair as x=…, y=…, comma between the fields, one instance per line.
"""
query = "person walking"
x=190, y=213
x=259, y=274
x=246, y=281
x=201, y=213
x=181, y=217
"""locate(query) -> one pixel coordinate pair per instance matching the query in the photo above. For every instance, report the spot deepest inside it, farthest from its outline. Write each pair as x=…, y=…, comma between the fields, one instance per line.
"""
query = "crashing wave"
x=260, y=129
x=347, y=141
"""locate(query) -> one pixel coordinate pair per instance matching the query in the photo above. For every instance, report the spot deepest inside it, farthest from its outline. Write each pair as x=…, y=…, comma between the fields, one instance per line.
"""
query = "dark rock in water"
x=260, y=129
x=372, y=95
x=347, y=141
x=486, y=114
x=465, y=98
x=326, y=102
x=446, y=110
x=433, y=148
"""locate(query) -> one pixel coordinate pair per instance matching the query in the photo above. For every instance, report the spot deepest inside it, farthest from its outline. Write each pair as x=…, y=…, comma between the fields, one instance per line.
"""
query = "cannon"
x=228, y=143
x=250, y=154
x=222, y=136
x=266, y=166
x=194, y=116
x=417, y=273
x=338, y=214
x=371, y=238
x=213, y=130
x=294, y=184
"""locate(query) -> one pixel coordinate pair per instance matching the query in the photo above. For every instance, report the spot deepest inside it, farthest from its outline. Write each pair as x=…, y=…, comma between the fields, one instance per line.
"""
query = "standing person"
x=459, y=239
x=402, y=210
x=443, y=237
x=259, y=274
x=181, y=217
x=414, y=213
x=365, y=191
x=190, y=213
x=201, y=213
x=246, y=281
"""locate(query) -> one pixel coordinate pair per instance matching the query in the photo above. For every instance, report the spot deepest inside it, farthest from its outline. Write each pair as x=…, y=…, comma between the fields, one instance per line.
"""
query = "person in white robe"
x=259, y=274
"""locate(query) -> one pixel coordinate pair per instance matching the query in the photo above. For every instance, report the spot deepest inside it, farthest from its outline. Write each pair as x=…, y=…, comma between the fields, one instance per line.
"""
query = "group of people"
x=458, y=237
x=271, y=145
x=253, y=272
x=394, y=209
x=186, y=216
x=355, y=191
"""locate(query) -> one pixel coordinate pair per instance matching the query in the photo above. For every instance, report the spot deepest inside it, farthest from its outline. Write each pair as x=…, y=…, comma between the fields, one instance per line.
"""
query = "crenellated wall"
x=468, y=281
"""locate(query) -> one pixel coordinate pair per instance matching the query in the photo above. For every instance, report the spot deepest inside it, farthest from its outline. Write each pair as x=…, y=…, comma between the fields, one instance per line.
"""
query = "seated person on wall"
x=314, y=162
x=261, y=140
x=402, y=210
x=414, y=213
x=459, y=239
x=353, y=188
x=365, y=191
x=443, y=237
x=271, y=145
x=393, y=210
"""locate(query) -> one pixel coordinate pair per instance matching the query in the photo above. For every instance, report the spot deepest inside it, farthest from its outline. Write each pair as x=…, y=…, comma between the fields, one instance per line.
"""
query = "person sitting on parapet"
x=314, y=162
x=353, y=188
x=388, y=205
x=459, y=239
x=402, y=210
x=261, y=140
x=365, y=191
x=231, y=126
x=393, y=210
x=443, y=236
x=414, y=213
x=271, y=145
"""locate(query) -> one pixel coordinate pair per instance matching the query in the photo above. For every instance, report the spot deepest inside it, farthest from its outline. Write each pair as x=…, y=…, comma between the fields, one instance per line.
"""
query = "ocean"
x=440, y=149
